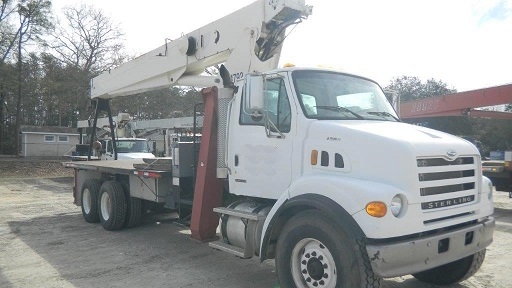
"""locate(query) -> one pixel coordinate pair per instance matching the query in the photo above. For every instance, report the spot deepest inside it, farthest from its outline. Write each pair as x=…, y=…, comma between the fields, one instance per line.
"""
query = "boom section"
x=248, y=40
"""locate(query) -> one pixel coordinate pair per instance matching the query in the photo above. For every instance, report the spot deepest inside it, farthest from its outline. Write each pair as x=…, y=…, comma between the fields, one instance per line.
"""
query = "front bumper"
x=412, y=256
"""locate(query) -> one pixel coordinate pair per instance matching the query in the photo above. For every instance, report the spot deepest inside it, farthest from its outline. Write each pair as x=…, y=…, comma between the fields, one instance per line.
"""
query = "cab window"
x=277, y=107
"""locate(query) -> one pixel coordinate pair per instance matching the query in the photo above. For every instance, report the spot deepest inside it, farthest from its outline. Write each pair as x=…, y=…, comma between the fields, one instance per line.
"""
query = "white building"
x=37, y=141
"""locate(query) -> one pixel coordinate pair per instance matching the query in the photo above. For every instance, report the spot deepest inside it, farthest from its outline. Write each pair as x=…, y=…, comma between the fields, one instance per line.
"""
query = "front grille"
x=429, y=162
x=445, y=175
x=446, y=189
x=439, y=179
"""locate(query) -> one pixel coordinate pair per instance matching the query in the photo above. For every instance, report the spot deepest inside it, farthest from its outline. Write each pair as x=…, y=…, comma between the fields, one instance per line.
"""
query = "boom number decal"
x=237, y=76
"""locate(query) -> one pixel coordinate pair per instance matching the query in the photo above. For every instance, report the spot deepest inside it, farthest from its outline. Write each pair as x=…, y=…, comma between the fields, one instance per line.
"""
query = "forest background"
x=47, y=62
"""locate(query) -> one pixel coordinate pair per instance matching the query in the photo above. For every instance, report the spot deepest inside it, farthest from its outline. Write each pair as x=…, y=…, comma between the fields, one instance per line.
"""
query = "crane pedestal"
x=208, y=188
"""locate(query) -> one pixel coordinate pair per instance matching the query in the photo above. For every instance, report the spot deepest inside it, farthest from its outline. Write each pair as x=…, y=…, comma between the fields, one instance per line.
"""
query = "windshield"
x=327, y=95
x=132, y=146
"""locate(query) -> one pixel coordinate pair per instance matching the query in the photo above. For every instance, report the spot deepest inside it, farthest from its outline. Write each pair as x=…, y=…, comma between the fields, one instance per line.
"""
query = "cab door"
x=109, y=150
x=261, y=147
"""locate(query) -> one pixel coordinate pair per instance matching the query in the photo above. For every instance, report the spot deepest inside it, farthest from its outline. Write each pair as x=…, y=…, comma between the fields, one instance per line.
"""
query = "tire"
x=112, y=205
x=133, y=212
x=453, y=272
x=89, y=200
x=133, y=208
x=312, y=252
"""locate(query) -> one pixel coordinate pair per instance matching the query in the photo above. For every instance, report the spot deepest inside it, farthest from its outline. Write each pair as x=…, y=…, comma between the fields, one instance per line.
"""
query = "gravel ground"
x=44, y=242
x=19, y=167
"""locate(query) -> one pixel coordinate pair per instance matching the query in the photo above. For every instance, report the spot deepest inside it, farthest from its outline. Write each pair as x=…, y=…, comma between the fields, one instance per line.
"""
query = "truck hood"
x=134, y=155
x=384, y=151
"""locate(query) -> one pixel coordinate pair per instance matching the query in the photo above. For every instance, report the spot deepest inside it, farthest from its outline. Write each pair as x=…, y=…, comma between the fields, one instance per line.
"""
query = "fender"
x=289, y=207
x=336, y=196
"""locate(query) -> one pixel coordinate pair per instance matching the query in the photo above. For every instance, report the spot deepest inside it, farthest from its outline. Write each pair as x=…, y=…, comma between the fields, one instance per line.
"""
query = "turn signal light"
x=376, y=209
x=314, y=157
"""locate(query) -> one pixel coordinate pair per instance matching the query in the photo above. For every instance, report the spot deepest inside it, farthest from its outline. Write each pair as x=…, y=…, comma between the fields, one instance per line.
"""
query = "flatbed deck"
x=114, y=166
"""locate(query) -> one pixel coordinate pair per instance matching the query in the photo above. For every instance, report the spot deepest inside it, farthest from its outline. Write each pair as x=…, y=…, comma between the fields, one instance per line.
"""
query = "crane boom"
x=460, y=104
x=248, y=40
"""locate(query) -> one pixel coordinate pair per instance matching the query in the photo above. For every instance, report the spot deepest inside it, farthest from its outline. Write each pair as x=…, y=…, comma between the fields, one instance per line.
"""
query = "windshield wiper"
x=383, y=113
x=342, y=109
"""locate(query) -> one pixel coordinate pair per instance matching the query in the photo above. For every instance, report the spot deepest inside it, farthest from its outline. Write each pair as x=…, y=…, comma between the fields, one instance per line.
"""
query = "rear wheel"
x=133, y=208
x=133, y=212
x=313, y=252
x=112, y=205
x=453, y=272
x=89, y=199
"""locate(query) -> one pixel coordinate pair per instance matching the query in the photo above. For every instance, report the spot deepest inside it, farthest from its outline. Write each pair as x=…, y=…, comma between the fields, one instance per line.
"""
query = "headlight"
x=396, y=205
x=490, y=188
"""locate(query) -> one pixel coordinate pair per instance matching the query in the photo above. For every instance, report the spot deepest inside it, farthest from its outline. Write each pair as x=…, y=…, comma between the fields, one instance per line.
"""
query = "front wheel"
x=453, y=272
x=312, y=252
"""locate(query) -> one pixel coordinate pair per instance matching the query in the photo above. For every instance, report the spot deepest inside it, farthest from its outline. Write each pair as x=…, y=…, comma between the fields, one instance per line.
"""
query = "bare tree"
x=5, y=9
x=88, y=39
x=33, y=21
x=7, y=41
x=8, y=34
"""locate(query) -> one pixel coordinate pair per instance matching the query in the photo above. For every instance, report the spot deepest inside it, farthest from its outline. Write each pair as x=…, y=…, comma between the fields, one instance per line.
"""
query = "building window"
x=63, y=138
x=49, y=138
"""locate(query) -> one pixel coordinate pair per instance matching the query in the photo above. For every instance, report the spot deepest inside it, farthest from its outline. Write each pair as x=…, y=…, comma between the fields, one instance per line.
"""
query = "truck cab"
x=127, y=148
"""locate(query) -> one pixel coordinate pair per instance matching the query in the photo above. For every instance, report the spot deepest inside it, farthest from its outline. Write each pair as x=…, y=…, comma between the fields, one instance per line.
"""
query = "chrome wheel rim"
x=312, y=265
x=106, y=207
x=86, y=201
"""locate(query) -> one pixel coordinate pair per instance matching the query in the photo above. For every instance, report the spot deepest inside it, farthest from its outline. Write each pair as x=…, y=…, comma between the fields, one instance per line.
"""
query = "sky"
x=464, y=43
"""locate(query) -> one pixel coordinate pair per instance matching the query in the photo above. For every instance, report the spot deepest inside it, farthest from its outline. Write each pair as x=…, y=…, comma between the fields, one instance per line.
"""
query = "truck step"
x=252, y=223
x=219, y=245
x=239, y=214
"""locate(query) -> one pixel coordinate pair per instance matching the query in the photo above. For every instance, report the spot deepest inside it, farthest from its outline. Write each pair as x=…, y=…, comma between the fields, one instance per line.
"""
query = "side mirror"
x=253, y=93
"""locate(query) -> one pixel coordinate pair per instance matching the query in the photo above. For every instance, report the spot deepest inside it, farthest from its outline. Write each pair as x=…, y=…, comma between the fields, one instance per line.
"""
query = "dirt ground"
x=44, y=242
x=19, y=167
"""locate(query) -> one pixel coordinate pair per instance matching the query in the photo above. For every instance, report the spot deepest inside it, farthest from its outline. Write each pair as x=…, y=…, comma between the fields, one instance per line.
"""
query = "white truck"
x=322, y=175
x=127, y=148
x=123, y=146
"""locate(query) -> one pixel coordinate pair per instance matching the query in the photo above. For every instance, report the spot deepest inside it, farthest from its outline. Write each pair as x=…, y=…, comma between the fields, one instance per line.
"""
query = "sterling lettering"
x=447, y=202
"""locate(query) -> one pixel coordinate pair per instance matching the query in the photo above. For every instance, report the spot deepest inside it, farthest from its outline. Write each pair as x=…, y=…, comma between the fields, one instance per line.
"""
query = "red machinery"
x=460, y=103
x=464, y=104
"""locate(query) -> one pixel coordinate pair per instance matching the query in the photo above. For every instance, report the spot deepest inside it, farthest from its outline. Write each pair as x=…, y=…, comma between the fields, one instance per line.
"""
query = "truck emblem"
x=451, y=154
x=333, y=138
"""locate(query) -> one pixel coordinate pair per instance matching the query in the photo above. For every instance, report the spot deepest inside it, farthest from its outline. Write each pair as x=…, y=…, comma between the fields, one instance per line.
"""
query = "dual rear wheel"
x=110, y=204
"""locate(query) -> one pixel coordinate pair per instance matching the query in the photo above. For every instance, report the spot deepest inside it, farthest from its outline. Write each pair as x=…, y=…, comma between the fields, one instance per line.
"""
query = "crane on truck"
x=321, y=174
x=119, y=145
